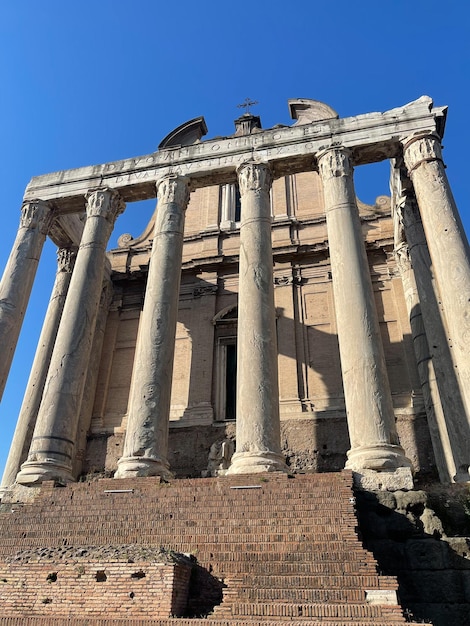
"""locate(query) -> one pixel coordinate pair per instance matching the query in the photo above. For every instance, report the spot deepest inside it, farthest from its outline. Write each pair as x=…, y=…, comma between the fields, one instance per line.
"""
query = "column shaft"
x=449, y=251
x=447, y=417
x=258, y=446
x=371, y=420
x=146, y=444
x=18, y=279
x=51, y=453
x=37, y=378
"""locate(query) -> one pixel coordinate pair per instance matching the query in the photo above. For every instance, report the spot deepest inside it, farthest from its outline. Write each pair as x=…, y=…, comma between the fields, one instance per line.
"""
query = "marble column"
x=51, y=453
x=18, y=278
x=258, y=447
x=146, y=444
x=448, y=248
x=375, y=456
x=37, y=378
x=448, y=422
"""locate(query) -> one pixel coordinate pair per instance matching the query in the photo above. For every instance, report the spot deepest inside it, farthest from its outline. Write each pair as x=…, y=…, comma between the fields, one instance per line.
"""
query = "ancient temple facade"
x=266, y=320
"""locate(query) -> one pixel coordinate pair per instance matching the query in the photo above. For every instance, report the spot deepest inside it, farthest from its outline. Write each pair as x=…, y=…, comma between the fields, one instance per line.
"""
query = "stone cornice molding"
x=371, y=137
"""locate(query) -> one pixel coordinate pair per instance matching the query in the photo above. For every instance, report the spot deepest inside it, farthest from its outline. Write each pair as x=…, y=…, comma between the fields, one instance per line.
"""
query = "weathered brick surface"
x=269, y=549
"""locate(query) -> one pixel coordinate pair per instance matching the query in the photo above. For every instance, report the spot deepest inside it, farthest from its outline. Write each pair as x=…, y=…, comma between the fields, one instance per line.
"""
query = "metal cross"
x=246, y=104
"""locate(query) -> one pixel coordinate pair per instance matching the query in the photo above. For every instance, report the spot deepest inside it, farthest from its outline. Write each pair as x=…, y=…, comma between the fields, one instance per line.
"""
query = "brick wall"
x=93, y=588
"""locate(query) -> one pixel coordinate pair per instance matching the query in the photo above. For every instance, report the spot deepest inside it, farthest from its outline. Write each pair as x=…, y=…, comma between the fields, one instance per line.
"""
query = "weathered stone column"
x=18, y=278
x=146, y=444
x=51, y=453
x=448, y=248
x=448, y=422
x=258, y=446
x=375, y=455
x=37, y=378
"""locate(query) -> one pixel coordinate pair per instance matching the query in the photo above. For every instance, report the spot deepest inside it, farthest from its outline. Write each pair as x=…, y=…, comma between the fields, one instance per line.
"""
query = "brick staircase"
x=270, y=549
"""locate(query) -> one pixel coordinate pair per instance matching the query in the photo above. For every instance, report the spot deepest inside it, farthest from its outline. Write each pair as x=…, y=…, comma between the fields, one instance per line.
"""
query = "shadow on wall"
x=408, y=541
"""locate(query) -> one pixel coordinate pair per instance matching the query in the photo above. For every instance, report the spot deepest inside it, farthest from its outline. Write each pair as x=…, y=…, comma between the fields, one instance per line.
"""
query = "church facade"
x=265, y=320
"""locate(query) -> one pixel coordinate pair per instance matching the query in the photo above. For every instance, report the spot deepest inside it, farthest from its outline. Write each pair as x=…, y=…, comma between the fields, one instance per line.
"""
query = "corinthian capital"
x=173, y=188
x=417, y=150
x=66, y=259
x=254, y=176
x=334, y=162
x=104, y=202
x=36, y=214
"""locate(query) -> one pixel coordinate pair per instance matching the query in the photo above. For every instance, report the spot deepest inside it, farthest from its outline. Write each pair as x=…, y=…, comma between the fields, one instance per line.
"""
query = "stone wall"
x=410, y=542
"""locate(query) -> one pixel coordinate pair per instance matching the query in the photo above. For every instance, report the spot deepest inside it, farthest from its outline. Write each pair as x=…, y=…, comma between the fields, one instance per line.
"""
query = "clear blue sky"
x=100, y=80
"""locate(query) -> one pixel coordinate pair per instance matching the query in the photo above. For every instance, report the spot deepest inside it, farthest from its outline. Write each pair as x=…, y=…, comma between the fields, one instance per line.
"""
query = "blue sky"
x=100, y=80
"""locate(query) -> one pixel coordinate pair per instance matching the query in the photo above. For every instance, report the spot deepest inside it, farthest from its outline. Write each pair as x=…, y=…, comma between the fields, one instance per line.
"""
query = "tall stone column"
x=448, y=248
x=258, y=446
x=375, y=455
x=18, y=278
x=52, y=448
x=448, y=421
x=146, y=444
x=37, y=378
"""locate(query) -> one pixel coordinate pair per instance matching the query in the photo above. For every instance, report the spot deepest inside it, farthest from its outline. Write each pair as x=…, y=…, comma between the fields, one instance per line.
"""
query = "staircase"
x=270, y=549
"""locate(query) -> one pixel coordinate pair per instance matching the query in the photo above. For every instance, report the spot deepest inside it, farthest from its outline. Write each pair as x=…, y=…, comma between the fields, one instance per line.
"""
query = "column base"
x=382, y=457
x=370, y=480
x=36, y=472
x=256, y=463
x=462, y=475
x=139, y=466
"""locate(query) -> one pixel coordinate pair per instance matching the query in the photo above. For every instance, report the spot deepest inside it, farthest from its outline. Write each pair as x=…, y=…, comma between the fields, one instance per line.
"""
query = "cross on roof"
x=246, y=104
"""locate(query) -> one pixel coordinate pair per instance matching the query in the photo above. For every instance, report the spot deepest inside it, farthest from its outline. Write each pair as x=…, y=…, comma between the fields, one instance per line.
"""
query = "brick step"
x=239, y=511
x=205, y=524
x=303, y=549
x=309, y=581
x=176, y=621
x=80, y=538
x=316, y=610
x=283, y=594
x=277, y=568
x=305, y=556
x=322, y=549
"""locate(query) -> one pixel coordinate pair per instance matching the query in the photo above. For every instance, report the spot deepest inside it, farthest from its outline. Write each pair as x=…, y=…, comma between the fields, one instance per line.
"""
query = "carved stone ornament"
x=335, y=162
x=402, y=258
x=254, y=177
x=66, y=259
x=36, y=214
x=207, y=290
x=421, y=149
x=175, y=189
x=104, y=202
